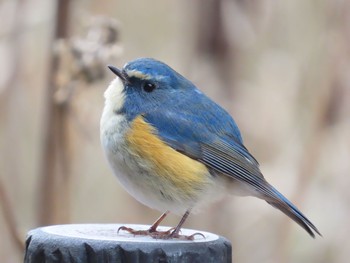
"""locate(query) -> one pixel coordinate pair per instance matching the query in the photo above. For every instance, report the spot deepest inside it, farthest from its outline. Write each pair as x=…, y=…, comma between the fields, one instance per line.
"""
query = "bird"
x=175, y=150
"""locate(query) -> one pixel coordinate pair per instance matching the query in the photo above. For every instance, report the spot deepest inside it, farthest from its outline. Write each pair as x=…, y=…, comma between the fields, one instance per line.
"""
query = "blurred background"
x=281, y=68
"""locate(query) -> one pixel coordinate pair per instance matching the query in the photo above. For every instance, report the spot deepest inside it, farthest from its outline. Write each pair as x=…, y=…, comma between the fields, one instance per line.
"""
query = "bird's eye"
x=148, y=86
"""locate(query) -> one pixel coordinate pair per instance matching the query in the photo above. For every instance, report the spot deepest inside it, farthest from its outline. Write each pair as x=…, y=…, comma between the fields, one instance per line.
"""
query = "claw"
x=128, y=229
x=196, y=234
x=184, y=237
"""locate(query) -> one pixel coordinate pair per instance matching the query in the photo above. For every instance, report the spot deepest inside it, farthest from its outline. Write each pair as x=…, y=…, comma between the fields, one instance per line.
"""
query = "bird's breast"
x=168, y=164
x=150, y=170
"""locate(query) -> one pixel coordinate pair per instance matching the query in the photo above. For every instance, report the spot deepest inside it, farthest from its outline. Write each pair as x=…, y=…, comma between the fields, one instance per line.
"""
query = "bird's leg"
x=178, y=227
x=153, y=228
x=152, y=231
x=176, y=232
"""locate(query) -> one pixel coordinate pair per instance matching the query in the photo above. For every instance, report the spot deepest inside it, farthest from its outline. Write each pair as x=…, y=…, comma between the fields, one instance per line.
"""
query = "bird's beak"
x=120, y=73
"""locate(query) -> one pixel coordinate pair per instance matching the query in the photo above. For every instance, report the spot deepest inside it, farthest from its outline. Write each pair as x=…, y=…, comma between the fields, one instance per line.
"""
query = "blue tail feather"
x=283, y=204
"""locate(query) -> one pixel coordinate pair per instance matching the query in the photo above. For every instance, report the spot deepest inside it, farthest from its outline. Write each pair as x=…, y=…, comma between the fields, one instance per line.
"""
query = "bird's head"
x=145, y=84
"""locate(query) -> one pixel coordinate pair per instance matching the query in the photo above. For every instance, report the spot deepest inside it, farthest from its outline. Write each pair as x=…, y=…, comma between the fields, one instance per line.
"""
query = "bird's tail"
x=284, y=205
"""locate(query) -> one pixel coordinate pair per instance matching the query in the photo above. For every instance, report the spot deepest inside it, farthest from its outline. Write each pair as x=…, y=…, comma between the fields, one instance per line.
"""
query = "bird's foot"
x=165, y=235
x=149, y=232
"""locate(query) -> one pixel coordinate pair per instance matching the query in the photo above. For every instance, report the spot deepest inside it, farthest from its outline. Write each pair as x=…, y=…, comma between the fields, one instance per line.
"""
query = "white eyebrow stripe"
x=138, y=74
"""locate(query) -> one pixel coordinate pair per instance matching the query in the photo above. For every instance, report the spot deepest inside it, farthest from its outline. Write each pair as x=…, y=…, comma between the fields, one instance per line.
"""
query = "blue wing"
x=209, y=134
x=212, y=138
x=204, y=123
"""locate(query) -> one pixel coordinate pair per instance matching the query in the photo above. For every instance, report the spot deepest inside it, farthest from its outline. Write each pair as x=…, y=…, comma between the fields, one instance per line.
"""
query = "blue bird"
x=175, y=150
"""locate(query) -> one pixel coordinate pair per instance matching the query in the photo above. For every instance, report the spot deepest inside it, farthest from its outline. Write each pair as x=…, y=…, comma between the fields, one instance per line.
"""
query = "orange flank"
x=184, y=172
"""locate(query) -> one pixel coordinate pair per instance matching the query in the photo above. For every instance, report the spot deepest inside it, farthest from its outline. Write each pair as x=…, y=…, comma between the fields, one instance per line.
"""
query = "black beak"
x=120, y=73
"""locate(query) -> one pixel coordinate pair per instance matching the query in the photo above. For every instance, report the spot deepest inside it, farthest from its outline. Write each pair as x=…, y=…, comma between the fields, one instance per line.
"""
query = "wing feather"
x=221, y=148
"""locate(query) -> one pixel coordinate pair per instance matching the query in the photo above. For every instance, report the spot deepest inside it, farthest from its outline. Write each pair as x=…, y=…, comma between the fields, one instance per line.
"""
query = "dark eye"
x=148, y=86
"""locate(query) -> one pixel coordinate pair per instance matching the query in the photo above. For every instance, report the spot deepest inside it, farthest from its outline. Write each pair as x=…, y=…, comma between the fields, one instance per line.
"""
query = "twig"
x=53, y=134
x=9, y=217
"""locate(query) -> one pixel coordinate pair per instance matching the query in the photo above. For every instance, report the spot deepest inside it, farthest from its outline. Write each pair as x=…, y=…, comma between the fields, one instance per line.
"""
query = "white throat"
x=114, y=101
x=114, y=95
